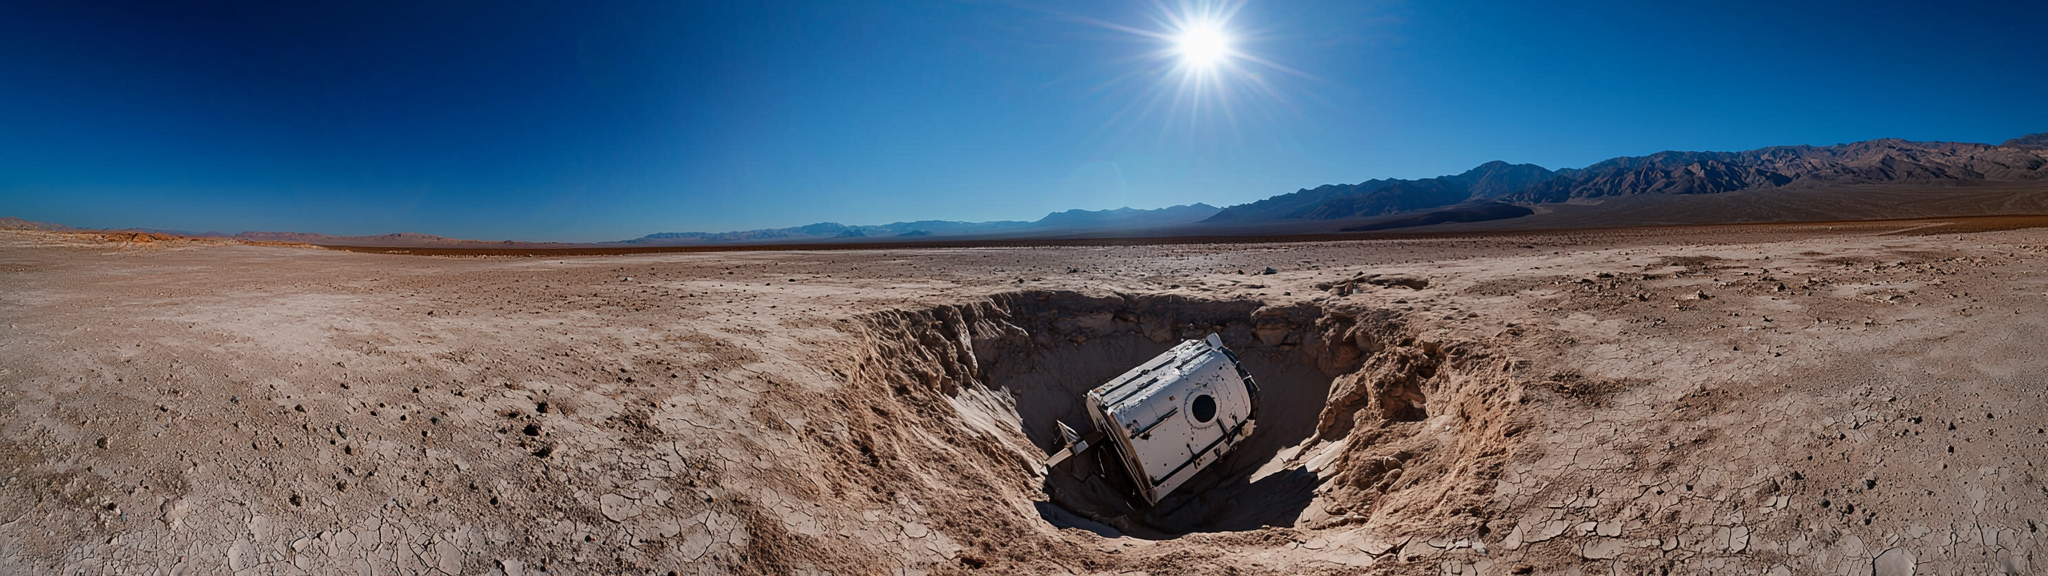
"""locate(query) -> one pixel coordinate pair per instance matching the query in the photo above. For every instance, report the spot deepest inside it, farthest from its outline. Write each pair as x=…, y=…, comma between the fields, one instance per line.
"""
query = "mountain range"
x=1874, y=162
x=1057, y=223
x=1499, y=190
x=1068, y=222
x=1860, y=180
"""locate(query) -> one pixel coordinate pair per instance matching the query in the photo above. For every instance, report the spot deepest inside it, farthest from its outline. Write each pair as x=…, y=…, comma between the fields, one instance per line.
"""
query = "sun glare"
x=1203, y=63
x=1202, y=45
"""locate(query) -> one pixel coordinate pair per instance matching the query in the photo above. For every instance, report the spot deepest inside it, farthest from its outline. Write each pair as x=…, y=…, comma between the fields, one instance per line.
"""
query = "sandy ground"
x=1855, y=399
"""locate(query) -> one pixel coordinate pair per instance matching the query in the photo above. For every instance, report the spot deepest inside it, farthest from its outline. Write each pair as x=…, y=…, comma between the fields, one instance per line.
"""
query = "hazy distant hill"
x=825, y=231
x=1874, y=162
x=402, y=239
x=1124, y=217
x=12, y=223
x=1068, y=221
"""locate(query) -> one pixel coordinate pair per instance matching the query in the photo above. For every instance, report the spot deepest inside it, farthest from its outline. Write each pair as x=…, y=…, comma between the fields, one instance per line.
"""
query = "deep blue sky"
x=583, y=121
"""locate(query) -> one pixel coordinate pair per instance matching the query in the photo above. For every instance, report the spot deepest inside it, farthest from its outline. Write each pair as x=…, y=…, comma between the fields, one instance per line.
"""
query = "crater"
x=1354, y=409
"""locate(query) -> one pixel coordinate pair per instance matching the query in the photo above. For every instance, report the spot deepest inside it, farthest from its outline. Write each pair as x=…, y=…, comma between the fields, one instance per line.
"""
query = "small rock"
x=1269, y=270
x=1409, y=282
x=104, y=443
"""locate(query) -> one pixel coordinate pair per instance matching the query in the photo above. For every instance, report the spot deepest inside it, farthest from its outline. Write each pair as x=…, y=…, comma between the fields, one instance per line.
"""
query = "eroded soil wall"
x=957, y=397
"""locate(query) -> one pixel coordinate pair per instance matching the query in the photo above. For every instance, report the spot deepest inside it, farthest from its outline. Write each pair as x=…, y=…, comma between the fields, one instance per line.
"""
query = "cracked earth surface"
x=1857, y=399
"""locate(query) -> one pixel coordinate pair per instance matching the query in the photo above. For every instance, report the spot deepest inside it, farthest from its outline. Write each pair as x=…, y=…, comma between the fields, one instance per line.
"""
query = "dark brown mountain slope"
x=2028, y=141
x=1375, y=197
x=1888, y=161
x=1874, y=162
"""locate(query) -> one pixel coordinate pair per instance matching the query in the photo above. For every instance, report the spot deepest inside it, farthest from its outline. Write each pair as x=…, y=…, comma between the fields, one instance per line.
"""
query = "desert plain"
x=1846, y=398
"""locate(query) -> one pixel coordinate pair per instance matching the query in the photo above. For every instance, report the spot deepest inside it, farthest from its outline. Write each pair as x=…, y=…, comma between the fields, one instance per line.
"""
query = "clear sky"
x=581, y=121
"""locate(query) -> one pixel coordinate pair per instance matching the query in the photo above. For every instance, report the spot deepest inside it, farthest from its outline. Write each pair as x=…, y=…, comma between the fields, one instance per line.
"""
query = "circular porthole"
x=1205, y=408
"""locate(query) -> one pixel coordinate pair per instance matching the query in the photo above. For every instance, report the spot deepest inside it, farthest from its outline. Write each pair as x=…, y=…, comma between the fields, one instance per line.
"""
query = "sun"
x=1199, y=66
x=1202, y=45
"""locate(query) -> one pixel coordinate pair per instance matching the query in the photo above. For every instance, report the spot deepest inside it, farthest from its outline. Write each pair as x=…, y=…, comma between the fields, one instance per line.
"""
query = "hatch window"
x=1205, y=408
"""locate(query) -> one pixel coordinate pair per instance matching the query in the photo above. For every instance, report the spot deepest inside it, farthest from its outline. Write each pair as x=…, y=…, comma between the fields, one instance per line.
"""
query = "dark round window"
x=1205, y=408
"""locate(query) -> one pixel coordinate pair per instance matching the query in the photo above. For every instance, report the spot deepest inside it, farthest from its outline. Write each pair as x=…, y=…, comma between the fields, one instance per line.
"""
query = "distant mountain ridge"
x=1376, y=197
x=2028, y=141
x=1817, y=183
x=401, y=239
x=12, y=223
x=827, y=230
x=1885, y=161
x=1068, y=221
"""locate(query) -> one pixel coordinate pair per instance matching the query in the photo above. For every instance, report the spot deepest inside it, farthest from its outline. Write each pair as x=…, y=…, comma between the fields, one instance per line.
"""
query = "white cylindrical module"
x=1176, y=414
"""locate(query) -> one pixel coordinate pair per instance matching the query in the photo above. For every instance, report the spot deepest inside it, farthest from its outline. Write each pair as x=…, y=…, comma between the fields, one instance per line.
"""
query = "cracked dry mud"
x=1855, y=399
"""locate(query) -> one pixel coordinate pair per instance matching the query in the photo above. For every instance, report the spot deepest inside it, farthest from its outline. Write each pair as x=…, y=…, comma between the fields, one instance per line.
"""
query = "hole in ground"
x=1064, y=344
x=1092, y=489
x=955, y=407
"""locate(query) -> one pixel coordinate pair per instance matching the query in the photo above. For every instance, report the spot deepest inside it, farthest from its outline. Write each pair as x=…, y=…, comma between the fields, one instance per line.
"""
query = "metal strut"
x=1075, y=444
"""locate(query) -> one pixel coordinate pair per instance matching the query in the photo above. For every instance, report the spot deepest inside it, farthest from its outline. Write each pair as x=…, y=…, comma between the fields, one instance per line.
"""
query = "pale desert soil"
x=1852, y=399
